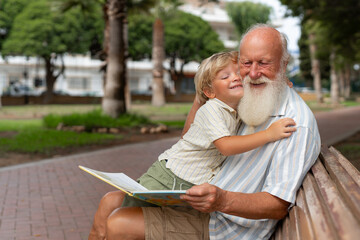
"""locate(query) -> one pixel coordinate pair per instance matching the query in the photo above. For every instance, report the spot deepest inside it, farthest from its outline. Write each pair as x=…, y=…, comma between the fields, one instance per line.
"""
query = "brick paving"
x=53, y=199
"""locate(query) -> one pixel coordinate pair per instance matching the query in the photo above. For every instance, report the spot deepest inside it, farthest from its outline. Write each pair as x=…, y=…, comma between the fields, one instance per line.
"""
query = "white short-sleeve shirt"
x=195, y=158
x=277, y=168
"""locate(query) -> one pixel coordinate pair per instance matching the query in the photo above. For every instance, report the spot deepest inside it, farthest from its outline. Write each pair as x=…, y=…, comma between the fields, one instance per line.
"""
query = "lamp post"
x=26, y=83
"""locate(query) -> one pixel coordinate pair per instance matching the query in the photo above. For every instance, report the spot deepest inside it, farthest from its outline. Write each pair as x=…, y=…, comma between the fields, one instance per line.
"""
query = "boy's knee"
x=112, y=198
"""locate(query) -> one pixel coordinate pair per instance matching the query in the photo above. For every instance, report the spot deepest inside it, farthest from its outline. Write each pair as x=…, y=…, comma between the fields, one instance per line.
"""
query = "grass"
x=19, y=125
x=95, y=118
x=351, y=151
x=32, y=137
x=171, y=111
x=315, y=107
x=31, y=111
x=36, y=140
x=39, y=135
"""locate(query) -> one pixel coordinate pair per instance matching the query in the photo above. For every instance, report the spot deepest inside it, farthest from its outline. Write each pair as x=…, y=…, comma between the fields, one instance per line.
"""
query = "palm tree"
x=312, y=29
x=115, y=48
x=158, y=55
x=162, y=8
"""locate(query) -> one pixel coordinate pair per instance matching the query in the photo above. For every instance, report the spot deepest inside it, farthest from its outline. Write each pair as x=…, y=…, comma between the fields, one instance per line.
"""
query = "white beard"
x=258, y=104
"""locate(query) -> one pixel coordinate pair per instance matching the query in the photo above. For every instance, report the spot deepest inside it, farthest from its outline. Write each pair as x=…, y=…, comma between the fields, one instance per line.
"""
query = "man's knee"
x=126, y=223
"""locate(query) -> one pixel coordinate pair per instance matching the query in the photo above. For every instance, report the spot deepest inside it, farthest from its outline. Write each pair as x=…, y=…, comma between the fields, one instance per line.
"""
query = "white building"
x=21, y=75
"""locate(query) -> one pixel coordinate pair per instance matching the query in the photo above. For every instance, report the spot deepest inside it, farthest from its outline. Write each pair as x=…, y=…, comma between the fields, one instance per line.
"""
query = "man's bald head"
x=266, y=34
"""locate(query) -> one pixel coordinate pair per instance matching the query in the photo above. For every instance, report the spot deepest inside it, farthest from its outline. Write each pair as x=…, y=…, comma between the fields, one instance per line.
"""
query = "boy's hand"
x=281, y=129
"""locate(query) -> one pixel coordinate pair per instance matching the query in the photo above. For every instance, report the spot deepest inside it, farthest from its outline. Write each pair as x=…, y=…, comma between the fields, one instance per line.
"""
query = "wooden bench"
x=327, y=204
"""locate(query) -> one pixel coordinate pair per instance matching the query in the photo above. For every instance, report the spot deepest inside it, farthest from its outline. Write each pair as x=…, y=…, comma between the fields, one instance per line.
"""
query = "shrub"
x=95, y=118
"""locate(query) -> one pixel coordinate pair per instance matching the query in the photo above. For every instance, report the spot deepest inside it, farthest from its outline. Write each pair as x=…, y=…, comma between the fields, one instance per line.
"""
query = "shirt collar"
x=223, y=105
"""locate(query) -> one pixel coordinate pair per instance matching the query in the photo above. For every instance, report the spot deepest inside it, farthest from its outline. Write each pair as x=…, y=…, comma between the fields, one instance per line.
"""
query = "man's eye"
x=247, y=64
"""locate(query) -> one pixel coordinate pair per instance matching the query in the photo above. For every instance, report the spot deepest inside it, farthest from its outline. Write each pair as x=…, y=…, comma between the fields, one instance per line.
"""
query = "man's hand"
x=205, y=198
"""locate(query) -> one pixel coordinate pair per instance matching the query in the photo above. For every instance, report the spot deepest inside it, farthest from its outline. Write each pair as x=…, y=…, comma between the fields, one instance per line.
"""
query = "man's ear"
x=285, y=67
x=289, y=83
x=209, y=93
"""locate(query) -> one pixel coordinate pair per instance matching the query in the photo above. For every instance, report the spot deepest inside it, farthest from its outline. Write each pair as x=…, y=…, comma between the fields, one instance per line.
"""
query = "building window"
x=187, y=85
x=39, y=82
x=78, y=83
x=14, y=79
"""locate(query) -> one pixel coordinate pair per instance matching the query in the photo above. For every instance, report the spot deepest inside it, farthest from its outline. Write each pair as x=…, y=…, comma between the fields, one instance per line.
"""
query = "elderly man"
x=253, y=189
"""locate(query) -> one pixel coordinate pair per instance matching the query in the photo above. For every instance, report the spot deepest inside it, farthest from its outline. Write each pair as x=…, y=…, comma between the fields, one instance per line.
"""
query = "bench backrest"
x=327, y=204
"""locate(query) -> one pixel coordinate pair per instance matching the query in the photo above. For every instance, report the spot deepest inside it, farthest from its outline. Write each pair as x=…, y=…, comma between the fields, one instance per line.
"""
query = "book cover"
x=134, y=189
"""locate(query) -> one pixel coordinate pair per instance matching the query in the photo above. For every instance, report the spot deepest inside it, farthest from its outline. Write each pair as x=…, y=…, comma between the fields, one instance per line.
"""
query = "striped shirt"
x=277, y=168
x=195, y=158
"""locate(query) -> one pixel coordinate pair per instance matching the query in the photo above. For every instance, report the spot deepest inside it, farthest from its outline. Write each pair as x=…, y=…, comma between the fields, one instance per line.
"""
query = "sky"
x=290, y=26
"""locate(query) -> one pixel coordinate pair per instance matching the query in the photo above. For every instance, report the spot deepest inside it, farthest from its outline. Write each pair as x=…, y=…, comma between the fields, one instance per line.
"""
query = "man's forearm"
x=260, y=205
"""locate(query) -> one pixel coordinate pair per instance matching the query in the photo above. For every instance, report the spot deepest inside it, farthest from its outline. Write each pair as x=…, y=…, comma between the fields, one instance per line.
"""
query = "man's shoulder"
x=298, y=110
x=297, y=107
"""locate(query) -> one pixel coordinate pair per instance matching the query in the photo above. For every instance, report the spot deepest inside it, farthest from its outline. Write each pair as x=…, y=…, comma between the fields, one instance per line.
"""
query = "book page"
x=118, y=180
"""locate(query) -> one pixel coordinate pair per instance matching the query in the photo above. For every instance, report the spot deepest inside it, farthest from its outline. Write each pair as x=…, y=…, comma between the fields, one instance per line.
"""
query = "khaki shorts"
x=177, y=223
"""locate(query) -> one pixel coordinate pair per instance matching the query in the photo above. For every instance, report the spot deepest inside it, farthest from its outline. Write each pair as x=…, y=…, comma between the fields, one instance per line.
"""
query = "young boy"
x=198, y=155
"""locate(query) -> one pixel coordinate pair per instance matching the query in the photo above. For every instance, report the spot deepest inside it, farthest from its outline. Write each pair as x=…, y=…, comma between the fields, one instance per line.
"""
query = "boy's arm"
x=190, y=117
x=231, y=145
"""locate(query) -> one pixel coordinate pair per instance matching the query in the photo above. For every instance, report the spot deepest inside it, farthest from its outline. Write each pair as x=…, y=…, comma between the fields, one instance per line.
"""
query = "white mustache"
x=262, y=79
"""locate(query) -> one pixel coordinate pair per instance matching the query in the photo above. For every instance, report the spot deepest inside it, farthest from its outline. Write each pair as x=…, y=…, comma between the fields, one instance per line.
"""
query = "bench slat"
x=341, y=217
x=278, y=233
x=306, y=230
x=286, y=228
x=324, y=228
x=346, y=184
x=294, y=224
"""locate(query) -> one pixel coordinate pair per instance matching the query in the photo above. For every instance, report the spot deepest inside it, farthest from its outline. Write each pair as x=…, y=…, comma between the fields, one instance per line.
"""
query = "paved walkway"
x=54, y=199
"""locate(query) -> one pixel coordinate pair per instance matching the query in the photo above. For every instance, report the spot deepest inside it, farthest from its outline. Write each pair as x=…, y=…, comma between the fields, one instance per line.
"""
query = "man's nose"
x=254, y=72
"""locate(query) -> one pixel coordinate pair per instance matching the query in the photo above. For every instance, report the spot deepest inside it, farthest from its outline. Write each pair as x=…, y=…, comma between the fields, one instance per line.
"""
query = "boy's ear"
x=209, y=93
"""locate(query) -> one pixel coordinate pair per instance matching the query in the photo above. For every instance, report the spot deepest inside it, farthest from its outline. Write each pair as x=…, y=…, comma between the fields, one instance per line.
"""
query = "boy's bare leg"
x=108, y=203
x=126, y=223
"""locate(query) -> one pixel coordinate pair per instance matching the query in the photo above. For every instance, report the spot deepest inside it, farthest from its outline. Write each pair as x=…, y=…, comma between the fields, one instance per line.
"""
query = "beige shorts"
x=176, y=223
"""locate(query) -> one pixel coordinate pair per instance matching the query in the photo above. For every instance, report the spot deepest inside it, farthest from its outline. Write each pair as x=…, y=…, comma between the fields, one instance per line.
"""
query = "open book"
x=136, y=190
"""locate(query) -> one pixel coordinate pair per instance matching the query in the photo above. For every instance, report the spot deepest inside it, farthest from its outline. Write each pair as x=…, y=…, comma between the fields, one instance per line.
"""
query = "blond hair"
x=208, y=69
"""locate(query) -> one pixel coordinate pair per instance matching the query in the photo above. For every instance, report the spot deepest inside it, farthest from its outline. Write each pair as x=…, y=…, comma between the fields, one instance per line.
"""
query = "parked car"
x=22, y=90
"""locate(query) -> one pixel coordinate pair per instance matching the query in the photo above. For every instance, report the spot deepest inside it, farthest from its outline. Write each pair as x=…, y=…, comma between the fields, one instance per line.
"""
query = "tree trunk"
x=50, y=80
x=341, y=80
x=315, y=68
x=126, y=54
x=158, y=53
x=113, y=103
x=334, y=81
x=347, y=90
x=105, y=51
